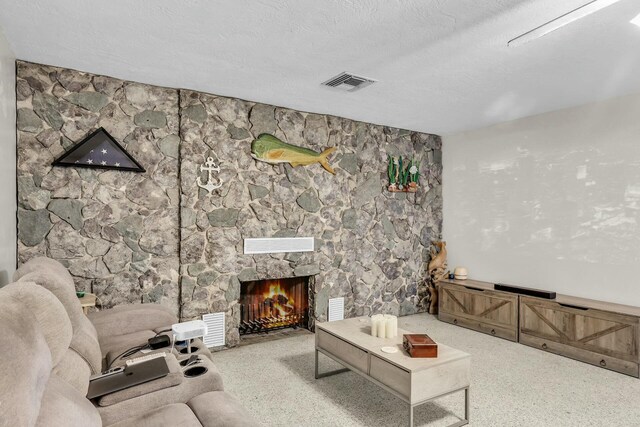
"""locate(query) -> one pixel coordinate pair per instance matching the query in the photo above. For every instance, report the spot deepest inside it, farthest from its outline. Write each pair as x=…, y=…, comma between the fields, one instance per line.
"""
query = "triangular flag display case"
x=99, y=150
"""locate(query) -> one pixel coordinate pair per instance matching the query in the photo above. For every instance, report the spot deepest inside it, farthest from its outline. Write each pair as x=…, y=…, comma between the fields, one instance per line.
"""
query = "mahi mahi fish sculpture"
x=268, y=148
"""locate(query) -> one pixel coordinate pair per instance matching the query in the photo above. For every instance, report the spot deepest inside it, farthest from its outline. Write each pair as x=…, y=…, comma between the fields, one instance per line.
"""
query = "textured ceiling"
x=443, y=66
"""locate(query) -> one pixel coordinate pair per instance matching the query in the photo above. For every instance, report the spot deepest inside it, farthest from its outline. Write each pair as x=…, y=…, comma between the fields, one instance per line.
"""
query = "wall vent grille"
x=216, y=329
x=348, y=82
x=336, y=309
x=276, y=245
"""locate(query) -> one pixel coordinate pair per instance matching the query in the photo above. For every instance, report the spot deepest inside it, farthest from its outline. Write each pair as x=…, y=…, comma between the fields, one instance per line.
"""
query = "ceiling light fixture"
x=636, y=20
x=561, y=21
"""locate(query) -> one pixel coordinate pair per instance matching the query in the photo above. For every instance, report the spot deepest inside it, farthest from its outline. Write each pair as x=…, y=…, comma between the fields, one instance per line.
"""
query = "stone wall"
x=370, y=244
x=116, y=231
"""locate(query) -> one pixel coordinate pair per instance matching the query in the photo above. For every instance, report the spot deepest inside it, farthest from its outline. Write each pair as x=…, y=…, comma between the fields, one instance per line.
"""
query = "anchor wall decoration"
x=210, y=167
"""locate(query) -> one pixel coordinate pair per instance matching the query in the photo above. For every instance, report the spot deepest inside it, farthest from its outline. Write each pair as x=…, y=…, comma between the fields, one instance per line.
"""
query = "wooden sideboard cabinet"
x=595, y=332
x=478, y=306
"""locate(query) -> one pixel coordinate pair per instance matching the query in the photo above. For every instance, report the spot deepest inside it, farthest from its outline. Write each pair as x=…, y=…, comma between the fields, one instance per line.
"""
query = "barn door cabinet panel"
x=476, y=305
x=602, y=334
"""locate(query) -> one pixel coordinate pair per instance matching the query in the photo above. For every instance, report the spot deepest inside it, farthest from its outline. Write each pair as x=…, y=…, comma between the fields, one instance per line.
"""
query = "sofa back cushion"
x=62, y=286
x=63, y=405
x=39, y=264
x=50, y=316
x=54, y=276
x=75, y=370
x=36, y=324
x=84, y=347
x=25, y=365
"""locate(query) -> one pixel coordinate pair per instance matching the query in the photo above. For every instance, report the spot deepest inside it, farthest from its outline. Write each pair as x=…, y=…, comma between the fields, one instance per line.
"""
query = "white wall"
x=7, y=162
x=549, y=201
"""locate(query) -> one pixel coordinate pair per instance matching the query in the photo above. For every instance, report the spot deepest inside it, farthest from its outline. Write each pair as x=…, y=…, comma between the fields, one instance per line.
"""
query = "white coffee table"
x=414, y=380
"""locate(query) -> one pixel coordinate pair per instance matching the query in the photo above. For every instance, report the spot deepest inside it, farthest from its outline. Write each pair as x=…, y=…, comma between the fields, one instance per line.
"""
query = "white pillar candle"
x=382, y=327
x=388, y=326
x=376, y=321
x=374, y=327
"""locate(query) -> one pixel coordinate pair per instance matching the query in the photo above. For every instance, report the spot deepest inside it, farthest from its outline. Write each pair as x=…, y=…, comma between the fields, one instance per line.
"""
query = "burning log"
x=279, y=299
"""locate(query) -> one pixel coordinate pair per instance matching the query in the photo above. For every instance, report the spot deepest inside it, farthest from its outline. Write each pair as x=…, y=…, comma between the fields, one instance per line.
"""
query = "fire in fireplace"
x=267, y=305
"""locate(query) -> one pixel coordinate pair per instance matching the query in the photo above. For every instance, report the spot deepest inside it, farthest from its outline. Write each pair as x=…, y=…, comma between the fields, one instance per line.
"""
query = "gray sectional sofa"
x=55, y=348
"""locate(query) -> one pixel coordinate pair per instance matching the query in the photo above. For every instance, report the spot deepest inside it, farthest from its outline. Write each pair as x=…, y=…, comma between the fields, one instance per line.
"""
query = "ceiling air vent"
x=348, y=82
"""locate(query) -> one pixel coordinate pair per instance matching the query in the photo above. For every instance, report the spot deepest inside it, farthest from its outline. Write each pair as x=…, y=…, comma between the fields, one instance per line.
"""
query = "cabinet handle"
x=544, y=345
x=455, y=321
x=575, y=307
x=493, y=332
x=474, y=289
x=603, y=363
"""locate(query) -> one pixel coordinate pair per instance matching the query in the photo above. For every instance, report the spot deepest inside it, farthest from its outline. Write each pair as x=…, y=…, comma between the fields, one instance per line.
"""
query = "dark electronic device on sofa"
x=525, y=291
x=161, y=341
x=127, y=376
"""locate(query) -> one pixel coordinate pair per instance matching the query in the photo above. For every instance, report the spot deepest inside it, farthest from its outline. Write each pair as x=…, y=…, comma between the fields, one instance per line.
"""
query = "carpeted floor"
x=512, y=385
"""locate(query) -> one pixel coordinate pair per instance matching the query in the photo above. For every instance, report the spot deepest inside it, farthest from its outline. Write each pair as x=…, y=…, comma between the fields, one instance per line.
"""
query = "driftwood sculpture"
x=437, y=271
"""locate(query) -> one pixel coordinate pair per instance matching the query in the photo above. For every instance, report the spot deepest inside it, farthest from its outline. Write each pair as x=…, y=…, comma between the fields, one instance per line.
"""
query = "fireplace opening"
x=269, y=305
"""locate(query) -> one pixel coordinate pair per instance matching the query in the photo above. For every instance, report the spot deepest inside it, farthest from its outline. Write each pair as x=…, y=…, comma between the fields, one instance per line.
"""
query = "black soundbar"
x=525, y=291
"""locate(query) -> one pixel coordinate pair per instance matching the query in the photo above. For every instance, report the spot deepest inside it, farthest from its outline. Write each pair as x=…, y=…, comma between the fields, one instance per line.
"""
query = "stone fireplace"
x=274, y=304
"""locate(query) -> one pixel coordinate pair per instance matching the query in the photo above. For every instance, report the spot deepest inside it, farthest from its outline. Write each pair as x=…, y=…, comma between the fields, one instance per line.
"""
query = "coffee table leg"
x=410, y=415
x=327, y=374
x=460, y=423
x=466, y=405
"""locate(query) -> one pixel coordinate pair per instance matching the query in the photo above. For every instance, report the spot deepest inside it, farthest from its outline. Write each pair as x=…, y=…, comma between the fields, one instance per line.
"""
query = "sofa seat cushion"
x=129, y=318
x=213, y=409
x=63, y=405
x=177, y=414
x=220, y=409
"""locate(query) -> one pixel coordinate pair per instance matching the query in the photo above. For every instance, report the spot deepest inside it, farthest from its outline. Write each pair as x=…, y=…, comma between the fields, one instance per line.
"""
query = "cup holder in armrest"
x=185, y=350
x=184, y=362
x=195, y=371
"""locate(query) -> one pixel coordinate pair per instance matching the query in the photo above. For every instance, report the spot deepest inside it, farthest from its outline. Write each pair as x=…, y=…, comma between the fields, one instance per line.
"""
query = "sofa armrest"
x=130, y=318
x=197, y=348
x=186, y=390
x=172, y=379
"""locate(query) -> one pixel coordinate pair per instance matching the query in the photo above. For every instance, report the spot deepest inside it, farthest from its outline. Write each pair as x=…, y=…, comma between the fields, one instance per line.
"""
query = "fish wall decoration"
x=268, y=148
